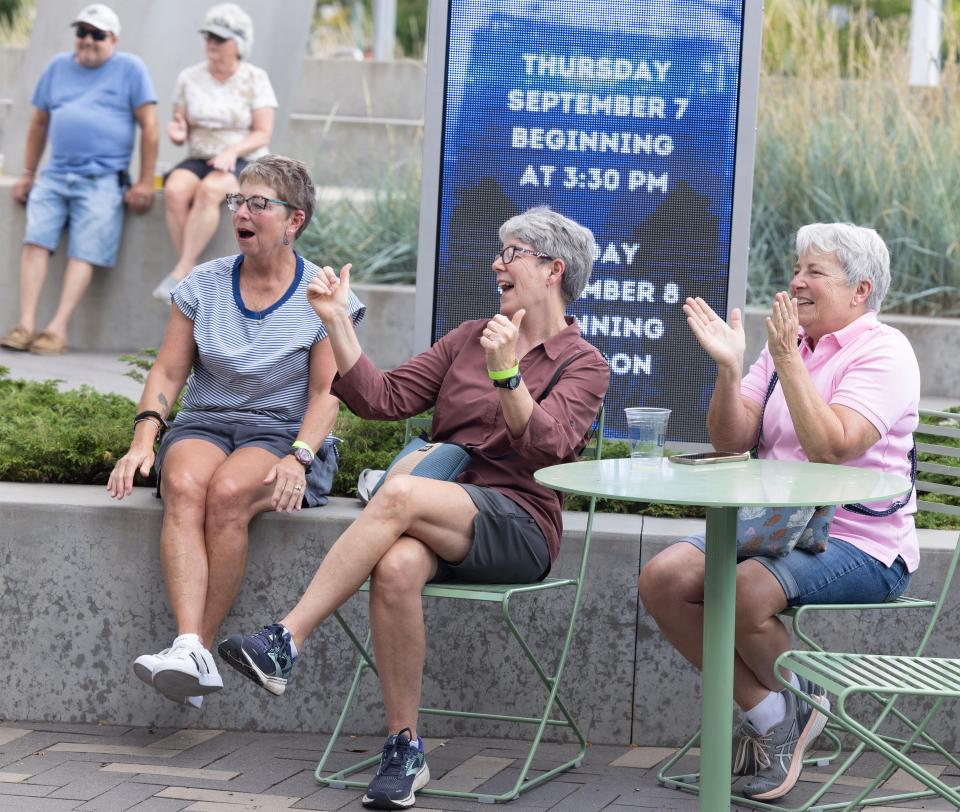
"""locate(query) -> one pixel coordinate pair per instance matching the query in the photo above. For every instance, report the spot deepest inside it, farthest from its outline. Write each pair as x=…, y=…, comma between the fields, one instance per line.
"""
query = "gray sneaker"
x=744, y=752
x=778, y=755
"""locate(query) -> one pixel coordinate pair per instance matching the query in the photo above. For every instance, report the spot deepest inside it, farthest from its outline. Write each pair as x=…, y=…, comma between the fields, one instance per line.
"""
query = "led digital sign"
x=624, y=116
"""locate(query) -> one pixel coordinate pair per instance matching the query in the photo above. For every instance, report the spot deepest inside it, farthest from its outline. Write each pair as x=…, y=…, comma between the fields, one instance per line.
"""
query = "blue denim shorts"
x=228, y=437
x=91, y=208
x=841, y=574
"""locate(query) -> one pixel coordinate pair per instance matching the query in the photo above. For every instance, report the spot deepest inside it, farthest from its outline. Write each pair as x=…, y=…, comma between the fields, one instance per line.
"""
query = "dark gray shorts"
x=228, y=437
x=508, y=546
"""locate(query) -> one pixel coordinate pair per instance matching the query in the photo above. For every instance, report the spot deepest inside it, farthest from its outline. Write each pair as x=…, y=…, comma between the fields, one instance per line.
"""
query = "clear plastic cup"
x=646, y=432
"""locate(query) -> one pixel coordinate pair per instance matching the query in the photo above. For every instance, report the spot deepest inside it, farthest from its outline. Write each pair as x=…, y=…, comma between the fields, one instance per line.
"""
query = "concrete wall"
x=354, y=121
x=119, y=314
x=165, y=36
x=351, y=122
x=80, y=579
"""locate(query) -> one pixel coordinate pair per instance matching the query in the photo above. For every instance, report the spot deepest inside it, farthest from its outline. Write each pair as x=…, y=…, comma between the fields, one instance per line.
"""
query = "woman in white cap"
x=223, y=110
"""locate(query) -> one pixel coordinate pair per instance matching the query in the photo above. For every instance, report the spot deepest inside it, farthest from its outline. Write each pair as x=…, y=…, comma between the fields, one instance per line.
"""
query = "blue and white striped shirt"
x=252, y=367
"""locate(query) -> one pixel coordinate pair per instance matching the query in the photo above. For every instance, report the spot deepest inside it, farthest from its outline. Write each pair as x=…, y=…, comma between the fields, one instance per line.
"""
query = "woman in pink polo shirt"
x=848, y=393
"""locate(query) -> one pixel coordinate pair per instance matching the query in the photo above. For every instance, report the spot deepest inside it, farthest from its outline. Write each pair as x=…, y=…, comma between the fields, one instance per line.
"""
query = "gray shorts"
x=228, y=437
x=508, y=546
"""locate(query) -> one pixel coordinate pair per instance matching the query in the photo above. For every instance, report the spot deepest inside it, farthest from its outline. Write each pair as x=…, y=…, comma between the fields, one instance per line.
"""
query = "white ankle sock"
x=293, y=646
x=768, y=712
x=188, y=638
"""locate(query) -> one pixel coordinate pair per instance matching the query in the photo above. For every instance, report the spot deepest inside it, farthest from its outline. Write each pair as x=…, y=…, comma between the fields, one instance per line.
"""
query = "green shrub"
x=76, y=437
x=64, y=437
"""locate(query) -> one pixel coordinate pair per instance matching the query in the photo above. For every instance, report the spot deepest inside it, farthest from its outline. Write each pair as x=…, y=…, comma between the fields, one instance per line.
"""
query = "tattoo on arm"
x=163, y=402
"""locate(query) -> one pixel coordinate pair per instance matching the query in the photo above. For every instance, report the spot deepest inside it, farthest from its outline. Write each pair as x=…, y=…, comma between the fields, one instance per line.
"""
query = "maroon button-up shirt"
x=452, y=375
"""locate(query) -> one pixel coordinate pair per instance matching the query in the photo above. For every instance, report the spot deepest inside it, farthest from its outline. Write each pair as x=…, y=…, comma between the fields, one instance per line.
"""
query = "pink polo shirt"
x=869, y=367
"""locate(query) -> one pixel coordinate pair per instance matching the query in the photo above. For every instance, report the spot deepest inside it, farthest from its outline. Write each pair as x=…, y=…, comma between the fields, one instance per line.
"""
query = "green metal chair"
x=929, y=480
x=497, y=594
x=886, y=678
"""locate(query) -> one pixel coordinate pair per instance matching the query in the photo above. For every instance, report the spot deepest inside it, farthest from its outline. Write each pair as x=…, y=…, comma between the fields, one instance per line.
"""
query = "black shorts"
x=201, y=168
x=508, y=546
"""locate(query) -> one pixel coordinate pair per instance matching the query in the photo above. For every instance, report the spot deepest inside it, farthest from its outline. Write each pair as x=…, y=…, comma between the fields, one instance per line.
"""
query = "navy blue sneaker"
x=403, y=770
x=264, y=657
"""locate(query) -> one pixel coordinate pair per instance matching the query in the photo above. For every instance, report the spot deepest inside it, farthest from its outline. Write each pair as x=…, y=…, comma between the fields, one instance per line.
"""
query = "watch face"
x=508, y=383
x=303, y=455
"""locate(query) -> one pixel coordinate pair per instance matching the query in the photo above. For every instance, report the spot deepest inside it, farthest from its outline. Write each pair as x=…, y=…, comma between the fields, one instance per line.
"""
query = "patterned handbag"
x=775, y=531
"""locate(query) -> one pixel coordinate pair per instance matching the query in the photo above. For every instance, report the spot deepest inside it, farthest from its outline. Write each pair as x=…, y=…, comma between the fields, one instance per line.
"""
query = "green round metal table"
x=721, y=489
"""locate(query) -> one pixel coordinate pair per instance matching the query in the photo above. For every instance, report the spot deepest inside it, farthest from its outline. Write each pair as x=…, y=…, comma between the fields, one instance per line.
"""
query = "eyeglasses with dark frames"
x=98, y=36
x=508, y=254
x=256, y=203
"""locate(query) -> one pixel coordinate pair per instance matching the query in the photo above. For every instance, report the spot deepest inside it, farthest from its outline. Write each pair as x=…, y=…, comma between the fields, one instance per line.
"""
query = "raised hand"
x=329, y=294
x=783, y=326
x=499, y=340
x=724, y=343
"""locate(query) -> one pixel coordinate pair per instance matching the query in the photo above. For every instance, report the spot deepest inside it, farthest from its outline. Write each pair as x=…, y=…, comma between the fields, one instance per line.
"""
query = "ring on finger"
x=298, y=488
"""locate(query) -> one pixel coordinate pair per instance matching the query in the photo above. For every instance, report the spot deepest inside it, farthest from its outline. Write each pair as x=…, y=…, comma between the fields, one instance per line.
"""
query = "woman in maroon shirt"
x=486, y=380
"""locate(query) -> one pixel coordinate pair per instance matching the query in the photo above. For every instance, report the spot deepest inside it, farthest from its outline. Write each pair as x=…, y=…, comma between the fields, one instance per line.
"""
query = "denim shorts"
x=508, y=545
x=90, y=207
x=841, y=574
x=228, y=437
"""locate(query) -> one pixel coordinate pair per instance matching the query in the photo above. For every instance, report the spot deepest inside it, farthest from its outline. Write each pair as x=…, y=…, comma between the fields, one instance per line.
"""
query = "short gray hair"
x=289, y=178
x=559, y=237
x=862, y=254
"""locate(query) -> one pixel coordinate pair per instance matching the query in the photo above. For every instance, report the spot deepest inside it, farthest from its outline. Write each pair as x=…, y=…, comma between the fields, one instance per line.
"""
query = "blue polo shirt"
x=92, y=126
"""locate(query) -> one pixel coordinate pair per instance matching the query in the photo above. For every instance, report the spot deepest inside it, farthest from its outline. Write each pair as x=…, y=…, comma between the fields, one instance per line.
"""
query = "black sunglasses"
x=214, y=38
x=98, y=36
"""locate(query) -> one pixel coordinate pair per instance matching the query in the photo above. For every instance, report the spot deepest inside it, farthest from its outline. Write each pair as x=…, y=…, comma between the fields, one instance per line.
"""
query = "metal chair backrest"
x=940, y=476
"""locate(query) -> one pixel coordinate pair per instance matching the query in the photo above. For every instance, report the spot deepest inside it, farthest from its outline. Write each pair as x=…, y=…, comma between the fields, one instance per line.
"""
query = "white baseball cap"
x=99, y=16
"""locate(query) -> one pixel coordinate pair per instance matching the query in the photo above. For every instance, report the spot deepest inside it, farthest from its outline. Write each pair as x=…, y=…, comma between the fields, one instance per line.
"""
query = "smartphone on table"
x=710, y=457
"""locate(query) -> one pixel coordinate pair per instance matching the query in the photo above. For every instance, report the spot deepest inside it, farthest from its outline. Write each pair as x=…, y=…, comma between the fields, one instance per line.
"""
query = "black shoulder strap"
x=558, y=373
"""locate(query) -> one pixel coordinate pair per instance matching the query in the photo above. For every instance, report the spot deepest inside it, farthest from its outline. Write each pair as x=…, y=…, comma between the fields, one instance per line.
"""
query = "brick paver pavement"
x=52, y=766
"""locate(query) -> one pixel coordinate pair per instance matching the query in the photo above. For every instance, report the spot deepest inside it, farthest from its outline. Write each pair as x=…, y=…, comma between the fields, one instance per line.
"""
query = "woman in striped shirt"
x=253, y=433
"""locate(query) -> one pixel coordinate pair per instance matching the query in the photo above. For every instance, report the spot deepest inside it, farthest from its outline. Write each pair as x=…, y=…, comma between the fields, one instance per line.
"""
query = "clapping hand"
x=724, y=343
x=783, y=326
x=329, y=294
x=499, y=341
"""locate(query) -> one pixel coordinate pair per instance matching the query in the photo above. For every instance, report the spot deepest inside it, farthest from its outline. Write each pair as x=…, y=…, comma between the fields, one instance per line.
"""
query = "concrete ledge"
x=80, y=576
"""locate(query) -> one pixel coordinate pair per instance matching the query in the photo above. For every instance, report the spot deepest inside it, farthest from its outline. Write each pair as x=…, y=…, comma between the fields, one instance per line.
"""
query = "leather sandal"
x=48, y=344
x=18, y=338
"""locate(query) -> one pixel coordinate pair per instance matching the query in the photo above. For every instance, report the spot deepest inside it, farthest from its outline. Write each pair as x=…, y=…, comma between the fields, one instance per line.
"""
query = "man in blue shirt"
x=88, y=105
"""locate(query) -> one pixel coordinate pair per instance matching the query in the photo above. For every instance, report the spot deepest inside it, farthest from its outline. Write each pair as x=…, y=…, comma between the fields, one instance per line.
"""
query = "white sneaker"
x=186, y=669
x=144, y=664
x=143, y=667
x=162, y=291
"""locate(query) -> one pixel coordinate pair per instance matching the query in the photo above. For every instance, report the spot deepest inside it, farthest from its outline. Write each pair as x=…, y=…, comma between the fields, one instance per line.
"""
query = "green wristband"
x=503, y=374
x=302, y=444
